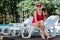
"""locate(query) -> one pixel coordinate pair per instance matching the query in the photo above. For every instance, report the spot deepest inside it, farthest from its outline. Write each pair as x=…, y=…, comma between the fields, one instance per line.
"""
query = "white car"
x=18, y=29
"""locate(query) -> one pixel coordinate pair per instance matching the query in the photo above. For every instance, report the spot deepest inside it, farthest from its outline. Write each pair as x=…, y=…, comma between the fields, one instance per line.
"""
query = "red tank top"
x=39, y=17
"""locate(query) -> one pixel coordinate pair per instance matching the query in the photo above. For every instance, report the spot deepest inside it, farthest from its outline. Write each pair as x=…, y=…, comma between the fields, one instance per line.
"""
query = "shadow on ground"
x=32, y=38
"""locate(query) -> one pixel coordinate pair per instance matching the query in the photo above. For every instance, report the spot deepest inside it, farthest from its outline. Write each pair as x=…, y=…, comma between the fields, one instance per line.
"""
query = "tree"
x=29, y=5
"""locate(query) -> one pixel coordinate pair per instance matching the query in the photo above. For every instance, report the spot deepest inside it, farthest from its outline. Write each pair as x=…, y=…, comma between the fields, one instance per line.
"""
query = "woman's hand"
x=44, y=18
x=37, y=23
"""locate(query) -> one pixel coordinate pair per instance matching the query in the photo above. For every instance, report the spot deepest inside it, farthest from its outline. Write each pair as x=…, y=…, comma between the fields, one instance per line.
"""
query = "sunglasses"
x=39, y=5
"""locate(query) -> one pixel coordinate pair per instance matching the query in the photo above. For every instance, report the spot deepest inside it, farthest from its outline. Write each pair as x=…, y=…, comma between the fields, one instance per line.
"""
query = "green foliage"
x=50, y=8
x=50, y=5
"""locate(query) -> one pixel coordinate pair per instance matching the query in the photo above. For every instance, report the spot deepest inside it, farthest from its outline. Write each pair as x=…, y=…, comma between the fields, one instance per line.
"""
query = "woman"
x=38, y=20
x=8, y=19
x=3, y=18
x=14, y=18
x=0, y=18
x=11, y=18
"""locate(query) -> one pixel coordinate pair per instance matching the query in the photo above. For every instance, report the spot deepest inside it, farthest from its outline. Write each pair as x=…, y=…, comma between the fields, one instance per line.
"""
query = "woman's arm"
x=45, y=14
x=35, y=16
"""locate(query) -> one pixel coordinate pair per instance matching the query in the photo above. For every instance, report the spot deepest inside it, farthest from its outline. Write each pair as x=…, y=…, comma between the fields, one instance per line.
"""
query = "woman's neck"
x=39, y=10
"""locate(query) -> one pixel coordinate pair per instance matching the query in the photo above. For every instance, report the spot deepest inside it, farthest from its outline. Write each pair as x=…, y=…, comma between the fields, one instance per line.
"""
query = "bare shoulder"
x=35, y=11
x=44, y=11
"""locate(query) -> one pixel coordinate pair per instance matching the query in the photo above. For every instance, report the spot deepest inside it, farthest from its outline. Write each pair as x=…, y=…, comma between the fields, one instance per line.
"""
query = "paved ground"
x=33, y=38
x=39, y=38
